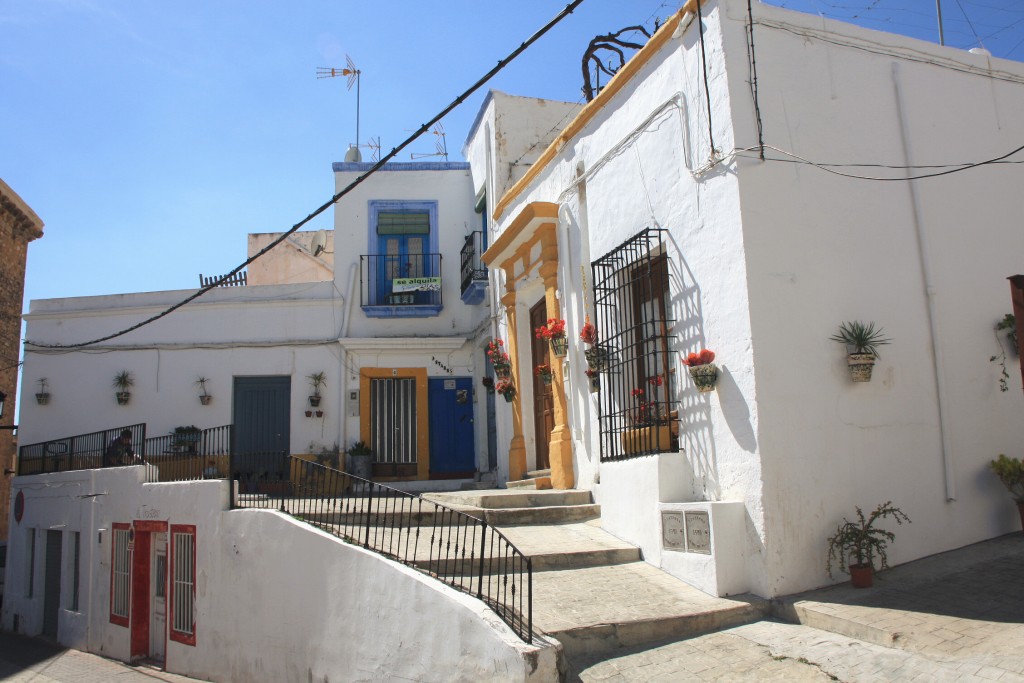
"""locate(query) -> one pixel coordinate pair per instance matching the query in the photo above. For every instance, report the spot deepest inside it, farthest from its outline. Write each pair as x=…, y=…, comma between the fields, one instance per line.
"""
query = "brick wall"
x=18, y=226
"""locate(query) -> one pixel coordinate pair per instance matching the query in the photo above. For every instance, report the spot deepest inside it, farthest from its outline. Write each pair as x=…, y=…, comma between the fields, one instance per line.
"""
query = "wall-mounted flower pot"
x=862, y=575
x=309, y=413
x=704, y=376
x=598, y=358
x=509, y=395
x=503, y=371
x=546, y=379
x=205, y=400
x=123, y=397
x=860, y=365
x=43, y=399
x=595, y=384
x=314, y=400
x=319, y=413
x=559, y=346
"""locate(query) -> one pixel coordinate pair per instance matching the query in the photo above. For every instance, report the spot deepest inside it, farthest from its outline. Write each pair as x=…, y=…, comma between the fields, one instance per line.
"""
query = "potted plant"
x=652, y=427
x=43, y=396
x=316, y=380
x=204, y=397
x=703, y=370
x=862, y=341
x=554, y=333
x=488, y=383
x=186, y=439
x=544, y=372
x=506, y=389
x=855, y=544
x=598, y=356
x=1009, y=325
x=123, y=381
x=595, y=379
x=360, y=460
x=499, y=359
x=1011, y=472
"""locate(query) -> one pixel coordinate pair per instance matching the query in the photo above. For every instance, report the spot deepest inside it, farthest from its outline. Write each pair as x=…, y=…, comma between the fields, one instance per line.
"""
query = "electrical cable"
x=753, y=77
x=829, y=168
x=704, y=61
x=502, y=63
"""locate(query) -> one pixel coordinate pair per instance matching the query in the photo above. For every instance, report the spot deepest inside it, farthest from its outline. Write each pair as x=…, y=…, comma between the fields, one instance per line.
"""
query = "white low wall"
x=276, y=600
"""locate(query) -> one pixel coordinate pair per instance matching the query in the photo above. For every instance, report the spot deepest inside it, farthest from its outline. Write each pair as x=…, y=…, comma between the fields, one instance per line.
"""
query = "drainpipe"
x=929, y=289
x=343, y=379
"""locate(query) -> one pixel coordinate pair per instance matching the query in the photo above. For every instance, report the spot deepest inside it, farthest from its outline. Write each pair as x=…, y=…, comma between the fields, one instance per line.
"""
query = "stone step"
x=506, y=498
x=536, y=483
x=598, y=610
x=554, y=514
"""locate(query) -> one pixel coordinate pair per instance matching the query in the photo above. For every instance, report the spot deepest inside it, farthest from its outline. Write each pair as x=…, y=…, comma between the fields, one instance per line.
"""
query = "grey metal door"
x=51, y=583
x=261, y=412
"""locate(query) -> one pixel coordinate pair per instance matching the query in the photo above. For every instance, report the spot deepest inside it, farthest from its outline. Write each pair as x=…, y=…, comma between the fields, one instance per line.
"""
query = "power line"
x=502, y=63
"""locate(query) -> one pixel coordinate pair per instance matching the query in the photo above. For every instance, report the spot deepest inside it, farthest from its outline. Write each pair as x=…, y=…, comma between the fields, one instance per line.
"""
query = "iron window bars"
x=637, y=406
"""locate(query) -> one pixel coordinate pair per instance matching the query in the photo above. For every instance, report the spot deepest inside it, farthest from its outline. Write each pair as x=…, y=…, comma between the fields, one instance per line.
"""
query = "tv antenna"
x=352, y=74
x=374, y=144
x=440, y=146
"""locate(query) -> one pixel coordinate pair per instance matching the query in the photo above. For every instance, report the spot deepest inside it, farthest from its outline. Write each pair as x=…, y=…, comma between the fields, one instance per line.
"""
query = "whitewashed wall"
x=636, y=156
x=823, y=249
x=275, y=599
x=238, y=331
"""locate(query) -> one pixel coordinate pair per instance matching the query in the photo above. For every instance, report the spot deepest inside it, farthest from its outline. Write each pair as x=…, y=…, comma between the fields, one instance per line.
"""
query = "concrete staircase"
x=591, y=591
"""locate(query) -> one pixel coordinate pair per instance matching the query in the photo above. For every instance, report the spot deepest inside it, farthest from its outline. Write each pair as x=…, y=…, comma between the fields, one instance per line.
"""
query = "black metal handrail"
x=80, y=452
x=464, y=552
x=421, y=272
x=473, y=268
x=191, y=455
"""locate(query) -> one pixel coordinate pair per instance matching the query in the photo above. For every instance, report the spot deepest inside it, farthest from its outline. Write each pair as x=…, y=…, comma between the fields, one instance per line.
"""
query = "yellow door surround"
x=422, y=421
x=535, y=225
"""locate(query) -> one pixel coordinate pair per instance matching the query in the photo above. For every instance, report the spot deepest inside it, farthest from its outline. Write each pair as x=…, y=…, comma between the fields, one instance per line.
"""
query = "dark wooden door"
x=262, y=430
x=543, y=402
x=51, y=583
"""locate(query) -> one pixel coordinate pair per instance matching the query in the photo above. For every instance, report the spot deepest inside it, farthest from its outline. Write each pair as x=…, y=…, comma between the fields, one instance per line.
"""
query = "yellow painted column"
x=517, y=447
x=560, y=446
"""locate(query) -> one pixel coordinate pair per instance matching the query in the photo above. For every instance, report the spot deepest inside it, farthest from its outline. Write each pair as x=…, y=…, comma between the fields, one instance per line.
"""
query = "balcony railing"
x=474, y=272
x=400, y=285
x=80, y=452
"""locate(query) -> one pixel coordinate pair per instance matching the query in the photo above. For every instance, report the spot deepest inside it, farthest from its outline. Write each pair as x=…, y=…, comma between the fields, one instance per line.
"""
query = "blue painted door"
x=452, y=454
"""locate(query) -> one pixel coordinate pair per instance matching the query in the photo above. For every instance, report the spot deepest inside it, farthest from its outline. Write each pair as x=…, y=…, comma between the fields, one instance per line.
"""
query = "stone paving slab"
x=30, y=660
x=963, y=606
x=600, y=609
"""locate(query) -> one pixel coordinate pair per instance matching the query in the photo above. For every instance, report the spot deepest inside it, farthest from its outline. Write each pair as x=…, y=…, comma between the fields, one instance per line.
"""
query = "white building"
x=672, y=244
x=628, y=213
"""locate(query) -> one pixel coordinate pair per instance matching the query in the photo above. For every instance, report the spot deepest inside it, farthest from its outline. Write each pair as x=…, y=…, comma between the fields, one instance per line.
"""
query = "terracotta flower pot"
x=205, y=399
x=862, y=575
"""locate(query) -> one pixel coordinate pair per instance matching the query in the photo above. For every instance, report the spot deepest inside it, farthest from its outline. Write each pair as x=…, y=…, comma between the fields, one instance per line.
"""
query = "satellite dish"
x=319, y=242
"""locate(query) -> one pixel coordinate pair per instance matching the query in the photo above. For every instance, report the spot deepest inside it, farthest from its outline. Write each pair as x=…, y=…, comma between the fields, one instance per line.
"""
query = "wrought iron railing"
x=187, y=455
x=458, y=549
x=473, y=269
x=400, y=280
x=80, y=452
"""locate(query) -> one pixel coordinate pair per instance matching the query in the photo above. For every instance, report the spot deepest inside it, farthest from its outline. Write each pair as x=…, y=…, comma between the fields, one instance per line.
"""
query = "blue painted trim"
x=475, y=293
x=428, y=311
x=375, y=206
x=359, y=166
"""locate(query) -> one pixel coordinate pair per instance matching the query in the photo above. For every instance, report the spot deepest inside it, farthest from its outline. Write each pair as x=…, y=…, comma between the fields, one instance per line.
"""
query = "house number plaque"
x=672, y=534
x=698, y=532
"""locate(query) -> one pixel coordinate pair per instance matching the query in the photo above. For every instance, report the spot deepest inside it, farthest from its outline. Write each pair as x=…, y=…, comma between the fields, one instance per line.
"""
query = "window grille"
x=183, y=584
x=31, y=563
x=393, y=432
x=76, y=569
x=120, y=576
x=637, y=407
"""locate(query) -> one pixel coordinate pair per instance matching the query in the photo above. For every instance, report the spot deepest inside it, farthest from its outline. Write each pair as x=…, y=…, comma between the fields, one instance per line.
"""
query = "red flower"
x=656, y=381
x=705, y=357
x=589, y=333
x=638, y=392
x=555, y=328
x=542, y=370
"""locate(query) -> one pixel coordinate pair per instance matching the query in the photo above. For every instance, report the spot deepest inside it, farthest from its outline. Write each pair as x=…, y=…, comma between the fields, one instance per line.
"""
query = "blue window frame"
x=402, y=240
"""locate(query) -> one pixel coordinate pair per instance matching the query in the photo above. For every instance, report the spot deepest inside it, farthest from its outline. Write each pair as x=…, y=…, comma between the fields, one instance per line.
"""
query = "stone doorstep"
x=536, y=483
x=505, y=498
x=606, y=638
x=810, y=613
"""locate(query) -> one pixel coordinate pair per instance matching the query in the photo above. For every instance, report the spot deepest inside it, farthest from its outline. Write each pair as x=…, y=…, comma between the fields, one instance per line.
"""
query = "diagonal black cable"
x=502, y=63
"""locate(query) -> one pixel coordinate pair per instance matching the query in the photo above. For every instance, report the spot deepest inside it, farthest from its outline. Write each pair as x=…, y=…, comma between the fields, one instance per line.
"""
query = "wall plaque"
x=698, y=532
x=672, y=535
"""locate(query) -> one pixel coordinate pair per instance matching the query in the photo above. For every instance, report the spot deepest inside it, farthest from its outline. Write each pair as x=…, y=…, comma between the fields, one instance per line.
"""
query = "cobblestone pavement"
x=30, y=660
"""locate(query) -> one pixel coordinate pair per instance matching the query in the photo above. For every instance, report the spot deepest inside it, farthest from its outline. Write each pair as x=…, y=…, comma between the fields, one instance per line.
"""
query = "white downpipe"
x=922, y=245
x=343, y=379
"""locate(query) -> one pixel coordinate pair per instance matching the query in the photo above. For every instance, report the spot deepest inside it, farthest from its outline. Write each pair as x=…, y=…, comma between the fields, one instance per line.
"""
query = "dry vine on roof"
x=617, y=45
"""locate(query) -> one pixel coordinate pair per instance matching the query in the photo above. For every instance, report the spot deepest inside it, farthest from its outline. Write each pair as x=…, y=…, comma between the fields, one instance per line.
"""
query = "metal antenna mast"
x=352, y=73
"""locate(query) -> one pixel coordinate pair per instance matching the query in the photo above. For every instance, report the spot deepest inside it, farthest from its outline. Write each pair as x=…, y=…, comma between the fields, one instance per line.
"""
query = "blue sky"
x=151, y=137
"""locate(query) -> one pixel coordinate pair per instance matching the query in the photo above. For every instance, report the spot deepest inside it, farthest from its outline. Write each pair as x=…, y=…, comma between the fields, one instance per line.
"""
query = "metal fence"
x=81, y=452
x=400, y=280
x=458, y=549
x=473, y=267
x=189, y=454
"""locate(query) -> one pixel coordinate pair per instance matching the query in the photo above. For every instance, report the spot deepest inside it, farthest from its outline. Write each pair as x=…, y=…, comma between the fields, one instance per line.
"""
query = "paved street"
x=25, y=660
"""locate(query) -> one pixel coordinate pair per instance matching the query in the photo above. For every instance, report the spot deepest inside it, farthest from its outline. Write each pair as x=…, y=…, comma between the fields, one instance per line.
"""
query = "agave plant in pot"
x=123, y=381
x=862, y=341
x=855, y=544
